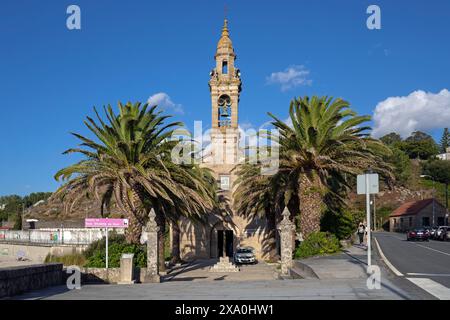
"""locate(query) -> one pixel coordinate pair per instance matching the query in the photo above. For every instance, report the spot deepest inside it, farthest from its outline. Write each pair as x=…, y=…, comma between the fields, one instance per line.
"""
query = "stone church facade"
x=225, y=229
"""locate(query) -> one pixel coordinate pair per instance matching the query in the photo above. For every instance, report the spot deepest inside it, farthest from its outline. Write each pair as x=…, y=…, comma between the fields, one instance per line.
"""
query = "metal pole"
x=374, y=214
x=107, y=248
x=369, y=262
x=434, y=196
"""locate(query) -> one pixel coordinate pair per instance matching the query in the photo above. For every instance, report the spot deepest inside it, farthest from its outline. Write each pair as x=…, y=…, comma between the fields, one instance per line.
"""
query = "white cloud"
x=245, y=125
x=164, y=101
x=419, y=110
x=293, y=76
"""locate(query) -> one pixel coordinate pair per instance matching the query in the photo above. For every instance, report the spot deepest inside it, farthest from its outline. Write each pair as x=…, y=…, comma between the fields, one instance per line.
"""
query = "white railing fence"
x=70, y=236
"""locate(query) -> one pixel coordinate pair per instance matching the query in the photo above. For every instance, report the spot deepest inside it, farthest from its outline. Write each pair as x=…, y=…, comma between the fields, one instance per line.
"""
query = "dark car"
x=418, y=234
x=245, y=255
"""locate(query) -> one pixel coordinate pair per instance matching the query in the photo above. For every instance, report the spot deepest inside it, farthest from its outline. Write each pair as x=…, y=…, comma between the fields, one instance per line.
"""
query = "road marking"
x=447, y=254
x=429, y=274
x=432, y=287
x=388, y=263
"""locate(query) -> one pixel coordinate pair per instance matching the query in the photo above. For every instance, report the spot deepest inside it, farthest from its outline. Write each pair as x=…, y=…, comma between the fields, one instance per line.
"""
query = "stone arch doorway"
x=223, y=240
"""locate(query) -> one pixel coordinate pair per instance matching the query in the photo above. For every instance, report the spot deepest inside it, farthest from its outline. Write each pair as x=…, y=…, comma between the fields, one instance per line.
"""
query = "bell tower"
x=225, y=88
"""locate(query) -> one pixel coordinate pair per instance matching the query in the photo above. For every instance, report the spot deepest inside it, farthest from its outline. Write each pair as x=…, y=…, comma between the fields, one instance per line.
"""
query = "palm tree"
x=326, y=142
x=131, y=164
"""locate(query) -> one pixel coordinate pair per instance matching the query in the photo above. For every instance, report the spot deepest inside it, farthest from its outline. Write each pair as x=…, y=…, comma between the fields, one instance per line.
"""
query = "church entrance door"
x=225, y=243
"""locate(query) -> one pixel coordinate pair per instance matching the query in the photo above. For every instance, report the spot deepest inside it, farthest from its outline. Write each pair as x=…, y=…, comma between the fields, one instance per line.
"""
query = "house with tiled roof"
x=416, y=214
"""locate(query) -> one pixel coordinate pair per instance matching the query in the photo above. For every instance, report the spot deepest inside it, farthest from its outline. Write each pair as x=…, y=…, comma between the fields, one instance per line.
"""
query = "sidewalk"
x=349, y=264
x=341, y=276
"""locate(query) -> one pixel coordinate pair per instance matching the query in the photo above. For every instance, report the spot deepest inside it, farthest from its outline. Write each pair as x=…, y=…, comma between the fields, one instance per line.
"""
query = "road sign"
x=105, y=223
x=368, y=184
x=373, y=183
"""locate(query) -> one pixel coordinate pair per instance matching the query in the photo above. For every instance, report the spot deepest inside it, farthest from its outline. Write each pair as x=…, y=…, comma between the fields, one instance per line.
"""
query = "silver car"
x=244, y=255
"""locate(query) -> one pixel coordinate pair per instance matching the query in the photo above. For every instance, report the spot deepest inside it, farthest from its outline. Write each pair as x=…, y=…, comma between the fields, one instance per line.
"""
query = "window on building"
x=224, y=182
x=425, y=221
x=410, y=221
x=225, y=67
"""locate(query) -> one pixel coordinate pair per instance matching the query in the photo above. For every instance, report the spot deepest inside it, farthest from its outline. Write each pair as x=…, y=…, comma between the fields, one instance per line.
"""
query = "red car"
x=418, y=234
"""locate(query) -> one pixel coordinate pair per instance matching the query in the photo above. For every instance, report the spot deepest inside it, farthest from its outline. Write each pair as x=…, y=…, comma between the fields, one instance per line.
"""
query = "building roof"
x=412, y=208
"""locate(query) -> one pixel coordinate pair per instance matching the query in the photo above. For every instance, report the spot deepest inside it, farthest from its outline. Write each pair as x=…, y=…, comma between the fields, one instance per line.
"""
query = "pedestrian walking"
x=361, y=231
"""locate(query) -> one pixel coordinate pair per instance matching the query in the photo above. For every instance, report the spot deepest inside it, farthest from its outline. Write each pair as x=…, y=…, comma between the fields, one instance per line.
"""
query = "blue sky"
x=51, y=77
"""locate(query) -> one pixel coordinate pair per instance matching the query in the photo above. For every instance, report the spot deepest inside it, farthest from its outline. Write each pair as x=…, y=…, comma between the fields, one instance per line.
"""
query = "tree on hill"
x=402, y=165
x=439, y=170
x=35, y=197
x=445, y=140
x=391, y=138
x=419, y=146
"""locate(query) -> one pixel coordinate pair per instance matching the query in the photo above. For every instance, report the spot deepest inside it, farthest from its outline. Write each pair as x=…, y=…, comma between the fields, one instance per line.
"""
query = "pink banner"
x=105, y=223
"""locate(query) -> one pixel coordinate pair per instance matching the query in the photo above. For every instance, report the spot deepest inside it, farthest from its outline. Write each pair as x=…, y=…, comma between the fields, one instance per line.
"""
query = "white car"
x=442, y=233
x=245, y=255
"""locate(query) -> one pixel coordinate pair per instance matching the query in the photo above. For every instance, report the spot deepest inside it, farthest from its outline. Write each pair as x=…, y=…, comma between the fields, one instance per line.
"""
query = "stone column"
x=126, y=268
x=286, y=228
x=151, y=228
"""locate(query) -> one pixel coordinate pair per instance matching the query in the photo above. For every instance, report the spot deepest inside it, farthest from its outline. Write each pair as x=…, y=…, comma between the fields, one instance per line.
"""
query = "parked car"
x=428, y=229
x=433, y=232
x=418, y=234
x=245, y=255
x=442, y=233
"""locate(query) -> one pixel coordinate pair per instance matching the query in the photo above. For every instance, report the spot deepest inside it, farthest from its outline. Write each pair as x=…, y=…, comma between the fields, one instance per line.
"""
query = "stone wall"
x=100, y=275
x=17, y=280
x=35, y=252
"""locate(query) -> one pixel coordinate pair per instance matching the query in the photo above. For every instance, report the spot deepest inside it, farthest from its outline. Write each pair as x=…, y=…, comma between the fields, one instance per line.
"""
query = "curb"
x=386, y=261
x=302, y=270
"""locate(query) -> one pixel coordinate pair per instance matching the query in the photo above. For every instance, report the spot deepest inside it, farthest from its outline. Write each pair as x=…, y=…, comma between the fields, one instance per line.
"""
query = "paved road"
x=426, y=264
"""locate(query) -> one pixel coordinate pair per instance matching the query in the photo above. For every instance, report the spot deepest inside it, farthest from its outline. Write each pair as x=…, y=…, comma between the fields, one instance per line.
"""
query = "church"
x=225, y=229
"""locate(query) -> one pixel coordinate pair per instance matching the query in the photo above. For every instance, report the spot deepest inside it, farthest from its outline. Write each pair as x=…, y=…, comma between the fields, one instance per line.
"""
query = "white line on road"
x=447, y=254
x=388, y=263
x=429, y=274
x=432, y=287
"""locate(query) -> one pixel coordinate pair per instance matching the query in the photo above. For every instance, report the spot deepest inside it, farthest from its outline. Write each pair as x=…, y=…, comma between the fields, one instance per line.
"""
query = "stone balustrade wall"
x=17, y=280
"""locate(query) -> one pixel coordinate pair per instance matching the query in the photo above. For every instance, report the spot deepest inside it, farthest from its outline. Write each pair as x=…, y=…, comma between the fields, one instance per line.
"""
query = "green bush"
x=96, y=252
x=342, y=224
x=318, y=243
x=76, y=259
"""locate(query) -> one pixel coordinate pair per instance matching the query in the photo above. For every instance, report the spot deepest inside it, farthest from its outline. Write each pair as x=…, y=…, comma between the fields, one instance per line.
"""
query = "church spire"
x=225, y=83
x=225, y=32
x=225, y=46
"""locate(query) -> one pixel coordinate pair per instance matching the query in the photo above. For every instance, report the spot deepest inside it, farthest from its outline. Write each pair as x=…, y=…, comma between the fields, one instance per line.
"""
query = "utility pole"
x=369, y=262
x=434, y=195
x=374, y=214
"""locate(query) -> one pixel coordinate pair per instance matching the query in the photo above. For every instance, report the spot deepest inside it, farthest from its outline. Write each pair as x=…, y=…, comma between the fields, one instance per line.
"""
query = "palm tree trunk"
x=176, y=257
x=136, y=216
x=161, y=221
x=134, y=230
x=311, y=205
